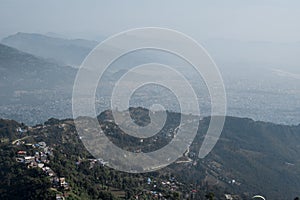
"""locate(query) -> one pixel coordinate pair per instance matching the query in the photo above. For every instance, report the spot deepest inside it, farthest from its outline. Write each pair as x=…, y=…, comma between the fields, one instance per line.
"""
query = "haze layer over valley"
x=261, y=78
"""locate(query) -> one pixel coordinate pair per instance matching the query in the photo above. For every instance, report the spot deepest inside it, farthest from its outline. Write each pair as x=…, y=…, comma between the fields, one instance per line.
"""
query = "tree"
x=210, y=196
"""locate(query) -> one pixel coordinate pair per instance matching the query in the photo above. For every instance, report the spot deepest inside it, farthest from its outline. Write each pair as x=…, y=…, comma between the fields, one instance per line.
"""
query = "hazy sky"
x=255, y=20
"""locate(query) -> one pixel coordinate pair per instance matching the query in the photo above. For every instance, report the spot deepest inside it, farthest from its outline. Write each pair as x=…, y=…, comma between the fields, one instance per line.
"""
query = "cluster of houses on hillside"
x=40, y=159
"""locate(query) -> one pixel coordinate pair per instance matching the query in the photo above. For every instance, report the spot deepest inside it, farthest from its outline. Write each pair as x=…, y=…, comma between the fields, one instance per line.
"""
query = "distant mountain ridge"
x=30, y=85
x=20, y=70
x=63, y=51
